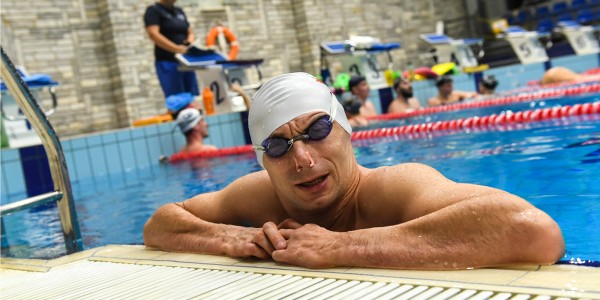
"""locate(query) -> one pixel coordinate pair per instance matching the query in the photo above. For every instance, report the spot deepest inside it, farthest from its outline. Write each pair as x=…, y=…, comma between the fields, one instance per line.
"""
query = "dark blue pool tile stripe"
x=386, y=96
x=34, y=163
x=244, y=119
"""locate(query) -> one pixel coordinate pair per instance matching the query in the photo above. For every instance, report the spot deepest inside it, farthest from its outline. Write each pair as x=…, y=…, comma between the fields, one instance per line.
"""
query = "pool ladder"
x=62, y=193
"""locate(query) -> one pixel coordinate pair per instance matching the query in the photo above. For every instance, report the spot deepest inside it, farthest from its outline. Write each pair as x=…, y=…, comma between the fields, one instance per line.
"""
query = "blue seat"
x=545, y=26
x=565, y=17
x=542, y=12
x=559, y=8
x=510, y=19
x=585, y=16
x=578, y=4
x=521, y=18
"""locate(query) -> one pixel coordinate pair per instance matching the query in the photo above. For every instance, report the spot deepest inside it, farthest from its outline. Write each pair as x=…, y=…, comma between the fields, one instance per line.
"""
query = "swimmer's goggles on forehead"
x=278, y=146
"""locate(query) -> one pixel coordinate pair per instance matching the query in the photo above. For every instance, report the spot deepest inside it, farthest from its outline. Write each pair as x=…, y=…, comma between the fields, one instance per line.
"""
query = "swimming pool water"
x=554, y=165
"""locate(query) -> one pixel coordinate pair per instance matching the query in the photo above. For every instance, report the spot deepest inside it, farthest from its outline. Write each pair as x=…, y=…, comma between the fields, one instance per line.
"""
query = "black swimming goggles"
x=278, y=146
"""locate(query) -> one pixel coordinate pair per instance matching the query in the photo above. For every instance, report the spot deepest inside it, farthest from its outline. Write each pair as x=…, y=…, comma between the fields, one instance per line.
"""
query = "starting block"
x=525, y=44
x=18, y=130
x=218, y=73
x=581, y=38
x=357, y=57
x=447, y=48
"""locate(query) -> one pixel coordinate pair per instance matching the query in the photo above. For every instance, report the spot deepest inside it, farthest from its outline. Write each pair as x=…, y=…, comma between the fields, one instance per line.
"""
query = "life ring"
x=223, y=34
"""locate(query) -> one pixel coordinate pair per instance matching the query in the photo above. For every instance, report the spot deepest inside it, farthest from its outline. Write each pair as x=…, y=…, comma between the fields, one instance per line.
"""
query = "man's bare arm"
x=211, y=223
x=443, y=226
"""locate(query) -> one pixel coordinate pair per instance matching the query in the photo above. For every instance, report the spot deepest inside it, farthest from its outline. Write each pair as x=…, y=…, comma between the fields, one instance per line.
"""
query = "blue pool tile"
x=178, y=142
x=124, y=135
x=238, y=135
x=166, y=128
x=229, y=137
x=167, y=145
x=67, y=145
x=154, y=149
x=151, y=130
x=13, y=179
x=94, y=140
x=127, y=155
x=216, y=134
x=82, y=162
x=113, y=158
x=137, y=133
x=9, y=155
x=98, y=161
x=141, y=153
x=79, y=143
x=109, y=138
x=3, y=187
x=71, y=166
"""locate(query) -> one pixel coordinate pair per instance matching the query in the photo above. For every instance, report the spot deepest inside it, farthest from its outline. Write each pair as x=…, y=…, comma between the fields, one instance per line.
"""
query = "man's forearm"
x=172, y=228
x=469, y=234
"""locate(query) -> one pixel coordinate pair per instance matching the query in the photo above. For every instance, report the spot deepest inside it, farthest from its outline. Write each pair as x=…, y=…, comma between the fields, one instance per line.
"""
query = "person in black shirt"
x=168, y=27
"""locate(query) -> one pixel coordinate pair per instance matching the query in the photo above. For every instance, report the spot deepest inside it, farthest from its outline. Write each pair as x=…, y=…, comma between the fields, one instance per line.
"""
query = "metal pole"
x=56, y=158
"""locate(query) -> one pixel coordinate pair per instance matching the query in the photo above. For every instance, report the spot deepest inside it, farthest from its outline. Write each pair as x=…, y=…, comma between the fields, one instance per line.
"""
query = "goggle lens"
x=276, y=146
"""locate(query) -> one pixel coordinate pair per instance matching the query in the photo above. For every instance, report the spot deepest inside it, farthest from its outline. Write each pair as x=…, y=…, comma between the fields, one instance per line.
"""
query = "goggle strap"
x=333, y=107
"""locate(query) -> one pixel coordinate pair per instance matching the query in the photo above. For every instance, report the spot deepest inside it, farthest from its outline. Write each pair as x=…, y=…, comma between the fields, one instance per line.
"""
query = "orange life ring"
x=211, y=39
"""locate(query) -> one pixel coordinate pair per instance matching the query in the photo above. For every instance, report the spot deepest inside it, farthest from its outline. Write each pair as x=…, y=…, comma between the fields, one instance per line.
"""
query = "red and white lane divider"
x=527, y=116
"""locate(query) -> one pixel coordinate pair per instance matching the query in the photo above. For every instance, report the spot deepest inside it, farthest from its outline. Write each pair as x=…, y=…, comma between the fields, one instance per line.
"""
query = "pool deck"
x=124, y=271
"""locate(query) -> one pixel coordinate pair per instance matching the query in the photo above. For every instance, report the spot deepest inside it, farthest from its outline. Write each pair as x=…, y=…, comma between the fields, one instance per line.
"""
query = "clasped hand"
x=289, y=242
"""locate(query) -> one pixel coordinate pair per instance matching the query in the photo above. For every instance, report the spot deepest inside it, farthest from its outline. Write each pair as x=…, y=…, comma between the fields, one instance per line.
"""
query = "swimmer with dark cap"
x=358, y=86
x=352, y=107
x=447, y=94
x=487, y=85
x=314, y=206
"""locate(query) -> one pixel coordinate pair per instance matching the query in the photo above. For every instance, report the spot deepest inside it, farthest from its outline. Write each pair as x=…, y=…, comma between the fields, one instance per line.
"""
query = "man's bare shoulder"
x=434, y=101
x=403, y=171
x=249, y=200
x=255, y=184
x=385, y=193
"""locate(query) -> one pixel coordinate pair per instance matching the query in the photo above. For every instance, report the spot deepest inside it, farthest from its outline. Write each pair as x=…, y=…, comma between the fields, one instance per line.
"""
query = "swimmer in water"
x=562, y=74
x=314, y=206
x=447, y=94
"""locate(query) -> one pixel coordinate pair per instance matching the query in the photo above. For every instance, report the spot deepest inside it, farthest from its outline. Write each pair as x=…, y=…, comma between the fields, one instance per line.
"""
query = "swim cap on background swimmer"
x=286, y=97
x=489, y=82
x=443, y=80
x=352, y=105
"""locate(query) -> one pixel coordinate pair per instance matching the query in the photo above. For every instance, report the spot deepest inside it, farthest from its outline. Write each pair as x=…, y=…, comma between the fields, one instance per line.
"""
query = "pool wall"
x=25, y=171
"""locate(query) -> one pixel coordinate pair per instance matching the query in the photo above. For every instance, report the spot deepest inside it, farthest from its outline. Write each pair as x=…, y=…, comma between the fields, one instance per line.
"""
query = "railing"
x=62, y=193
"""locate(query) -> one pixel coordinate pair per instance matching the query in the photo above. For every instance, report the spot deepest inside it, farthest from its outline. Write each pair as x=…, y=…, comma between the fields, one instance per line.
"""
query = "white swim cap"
x=188, y=118
x=286, y=97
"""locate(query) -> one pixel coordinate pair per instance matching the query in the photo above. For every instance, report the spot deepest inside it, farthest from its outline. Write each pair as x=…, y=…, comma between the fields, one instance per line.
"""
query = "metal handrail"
x=56, y=159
